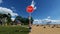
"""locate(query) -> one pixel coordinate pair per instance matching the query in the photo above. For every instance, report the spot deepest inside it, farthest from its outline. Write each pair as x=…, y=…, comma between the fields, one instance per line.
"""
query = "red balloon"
x=30, y=9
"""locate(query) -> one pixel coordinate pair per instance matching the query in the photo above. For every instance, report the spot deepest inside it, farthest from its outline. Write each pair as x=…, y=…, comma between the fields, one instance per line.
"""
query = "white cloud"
x=48, y=17
x=14, y=14
x=13, y=8
x=45, y=21
x=12, y=19
x=6, y=11
x=1, y=1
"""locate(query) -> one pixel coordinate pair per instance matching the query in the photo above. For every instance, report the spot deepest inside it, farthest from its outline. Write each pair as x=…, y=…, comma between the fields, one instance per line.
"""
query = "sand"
x=41, y=30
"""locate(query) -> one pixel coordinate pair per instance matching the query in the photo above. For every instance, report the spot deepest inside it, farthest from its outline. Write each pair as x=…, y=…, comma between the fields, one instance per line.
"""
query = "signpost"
x=29, y=9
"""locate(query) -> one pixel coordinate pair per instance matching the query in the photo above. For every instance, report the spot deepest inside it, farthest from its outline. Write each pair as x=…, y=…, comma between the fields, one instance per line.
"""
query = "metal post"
x=29, y=19
x=30, y=22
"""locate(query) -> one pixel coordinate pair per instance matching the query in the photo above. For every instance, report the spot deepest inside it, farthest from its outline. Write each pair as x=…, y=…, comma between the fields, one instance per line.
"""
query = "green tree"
x=9, y=19
x=32, y=20
x=1, y=15
x=27, y=20
x=4, y=19
x=19, y=18
x=24, y=20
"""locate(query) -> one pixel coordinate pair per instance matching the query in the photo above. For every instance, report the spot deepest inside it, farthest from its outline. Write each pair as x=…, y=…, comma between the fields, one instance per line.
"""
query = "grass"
x=13, y=30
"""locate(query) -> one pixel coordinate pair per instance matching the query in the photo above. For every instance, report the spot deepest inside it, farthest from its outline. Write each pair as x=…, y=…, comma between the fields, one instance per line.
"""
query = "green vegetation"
x=6, y=24
x=6, y=19
x=13, y=30
x=25, y=21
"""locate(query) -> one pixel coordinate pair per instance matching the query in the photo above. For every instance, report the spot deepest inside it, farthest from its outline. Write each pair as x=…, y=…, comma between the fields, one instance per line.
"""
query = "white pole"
x=29, y=19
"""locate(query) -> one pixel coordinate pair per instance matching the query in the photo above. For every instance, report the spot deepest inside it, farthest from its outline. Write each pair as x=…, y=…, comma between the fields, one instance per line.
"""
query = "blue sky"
x=44, y=9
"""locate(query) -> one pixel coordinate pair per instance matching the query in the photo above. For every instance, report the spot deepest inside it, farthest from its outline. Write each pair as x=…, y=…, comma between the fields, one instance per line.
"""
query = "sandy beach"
x=45, y=29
